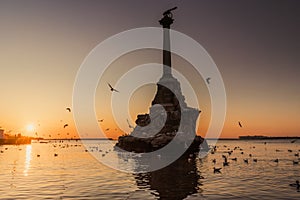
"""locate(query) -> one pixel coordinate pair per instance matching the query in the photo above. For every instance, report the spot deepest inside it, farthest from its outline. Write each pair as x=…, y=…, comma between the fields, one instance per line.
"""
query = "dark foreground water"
x=75, y=174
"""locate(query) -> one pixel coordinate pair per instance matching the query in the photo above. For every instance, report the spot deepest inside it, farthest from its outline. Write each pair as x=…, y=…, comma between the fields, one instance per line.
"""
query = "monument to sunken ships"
x=156, y=129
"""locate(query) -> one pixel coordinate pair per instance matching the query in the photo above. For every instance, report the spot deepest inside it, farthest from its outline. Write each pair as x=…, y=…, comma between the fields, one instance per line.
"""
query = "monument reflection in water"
x=176, y=181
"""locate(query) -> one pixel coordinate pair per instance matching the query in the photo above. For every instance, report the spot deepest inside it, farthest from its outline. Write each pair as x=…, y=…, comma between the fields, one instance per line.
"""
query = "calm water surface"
x=75, y=174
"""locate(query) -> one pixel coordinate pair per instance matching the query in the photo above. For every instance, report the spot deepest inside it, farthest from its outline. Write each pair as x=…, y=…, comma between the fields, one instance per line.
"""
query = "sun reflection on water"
x=27, y=160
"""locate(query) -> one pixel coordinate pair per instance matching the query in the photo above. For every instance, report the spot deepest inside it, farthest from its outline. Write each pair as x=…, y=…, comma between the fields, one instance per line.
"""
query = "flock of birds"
x=228, y=152
x=112, y=89
x=246, y=160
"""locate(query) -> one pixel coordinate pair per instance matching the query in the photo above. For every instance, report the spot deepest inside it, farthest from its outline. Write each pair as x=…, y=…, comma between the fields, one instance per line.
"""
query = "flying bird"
x=208, y=80
x=68, y=109
x=129, y=125
x=111, y=88
x=107, y=129
x=66, y=125
x=240, y=124
x=100, y=120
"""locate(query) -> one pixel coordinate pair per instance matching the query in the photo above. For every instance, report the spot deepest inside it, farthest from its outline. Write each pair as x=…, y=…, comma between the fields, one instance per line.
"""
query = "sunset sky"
x=254, y=43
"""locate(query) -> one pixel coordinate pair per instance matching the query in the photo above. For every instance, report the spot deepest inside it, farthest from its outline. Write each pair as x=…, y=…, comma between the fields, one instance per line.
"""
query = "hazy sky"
x=254, y=43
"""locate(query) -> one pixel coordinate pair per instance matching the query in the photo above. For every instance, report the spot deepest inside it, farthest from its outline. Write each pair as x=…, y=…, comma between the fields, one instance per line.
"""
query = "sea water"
x=34, y=172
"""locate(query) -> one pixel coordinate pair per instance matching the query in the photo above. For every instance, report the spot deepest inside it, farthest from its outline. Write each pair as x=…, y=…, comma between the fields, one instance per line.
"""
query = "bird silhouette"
x=217, y=170
x=107, y=129
x=295, y=162
x=169, y=11
x=68, y=109
x=208, y=80
x=240, y=124
x=297, y=184
x=111, y=88
x=129, y=125
x=100, y=120
x=66, y=125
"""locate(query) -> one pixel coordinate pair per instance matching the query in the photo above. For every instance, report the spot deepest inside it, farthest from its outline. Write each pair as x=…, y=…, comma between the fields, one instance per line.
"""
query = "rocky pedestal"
x=169, y=116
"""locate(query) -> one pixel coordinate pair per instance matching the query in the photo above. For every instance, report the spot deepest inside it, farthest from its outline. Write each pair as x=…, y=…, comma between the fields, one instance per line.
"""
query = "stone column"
x=166, y=21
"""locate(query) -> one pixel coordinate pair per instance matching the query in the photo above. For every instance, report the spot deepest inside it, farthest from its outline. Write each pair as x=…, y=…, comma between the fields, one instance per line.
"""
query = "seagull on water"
x=297, y=184
x=217, y=170
x=295, y=162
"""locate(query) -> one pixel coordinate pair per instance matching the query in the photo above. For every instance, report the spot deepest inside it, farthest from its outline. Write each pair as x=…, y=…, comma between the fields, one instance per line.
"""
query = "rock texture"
x=169, y=116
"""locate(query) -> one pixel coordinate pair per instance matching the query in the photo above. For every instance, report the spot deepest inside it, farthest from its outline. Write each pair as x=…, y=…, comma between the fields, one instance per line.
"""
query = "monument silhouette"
x=169, y=115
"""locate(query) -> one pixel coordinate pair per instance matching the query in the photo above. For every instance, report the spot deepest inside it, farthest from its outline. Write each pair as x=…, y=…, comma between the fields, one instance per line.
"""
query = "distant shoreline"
x=37, y=139
x=257, y=138
x=239, y=138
